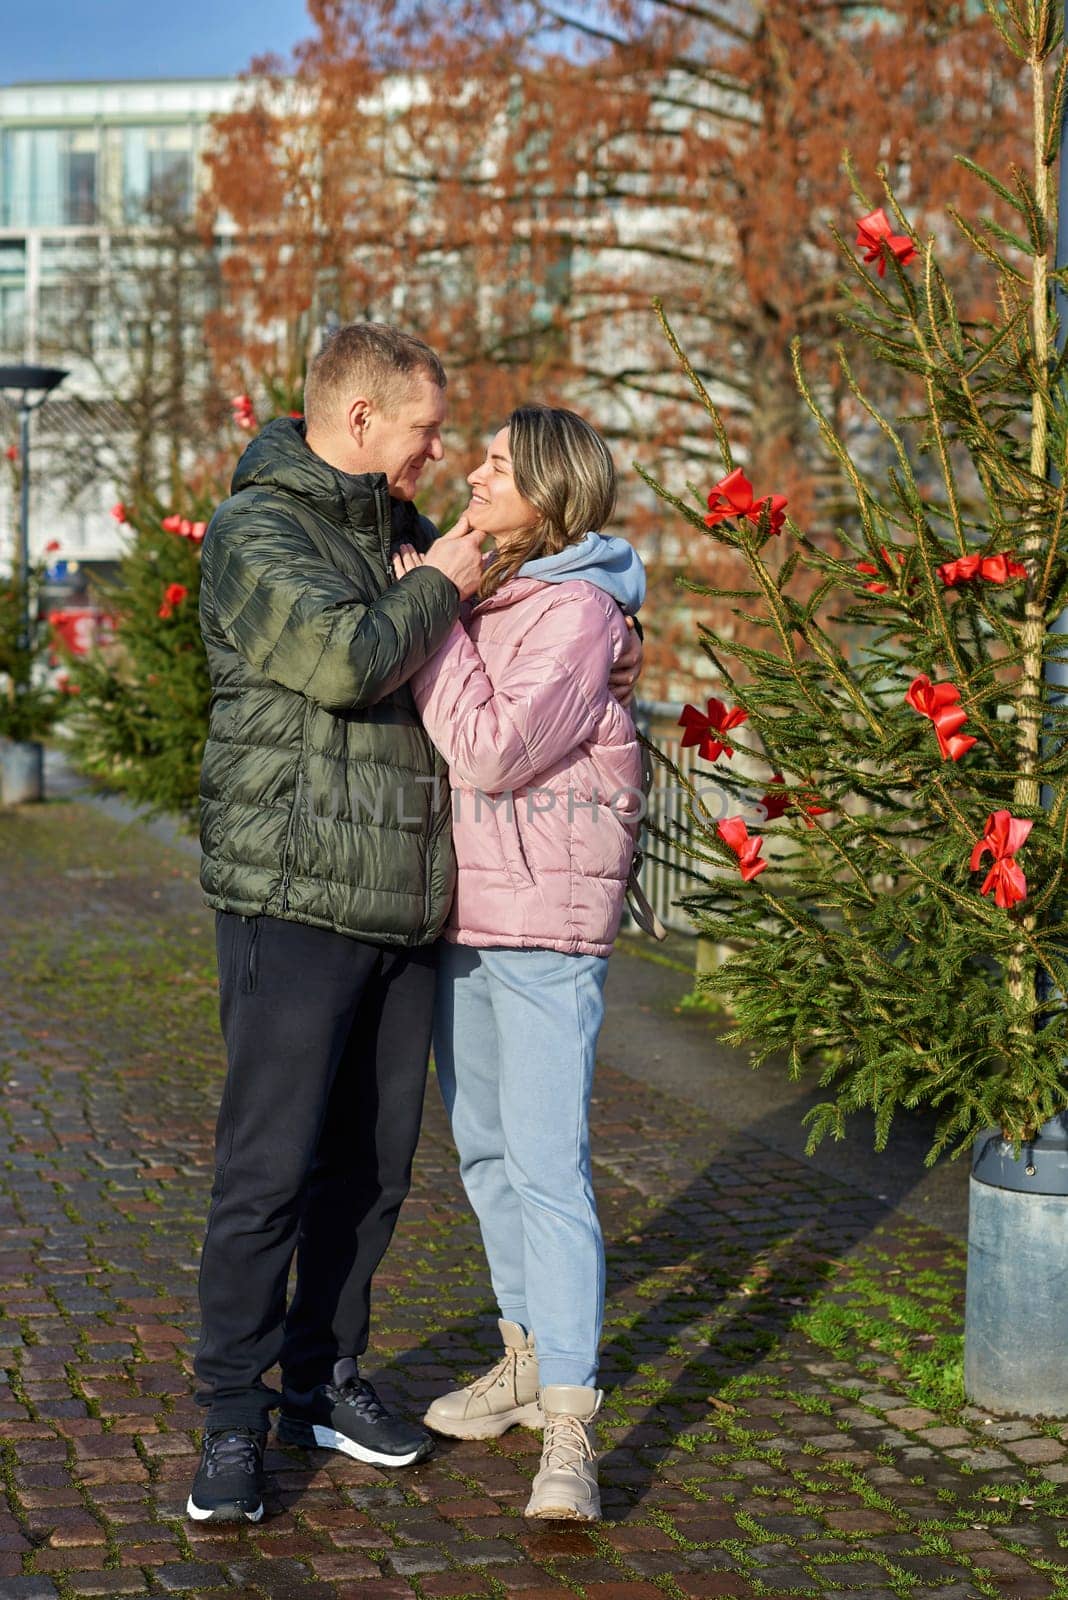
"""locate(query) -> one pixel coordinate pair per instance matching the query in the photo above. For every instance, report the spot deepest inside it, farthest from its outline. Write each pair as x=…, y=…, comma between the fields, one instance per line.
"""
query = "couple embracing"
x=410, y=737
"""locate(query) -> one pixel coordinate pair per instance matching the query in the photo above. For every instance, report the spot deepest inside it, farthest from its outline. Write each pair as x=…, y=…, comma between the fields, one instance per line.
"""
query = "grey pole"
x=33, y=385
x=25, y=620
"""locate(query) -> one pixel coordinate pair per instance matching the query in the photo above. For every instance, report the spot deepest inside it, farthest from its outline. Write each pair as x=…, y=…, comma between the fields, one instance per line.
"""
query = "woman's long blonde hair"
x=564, y=469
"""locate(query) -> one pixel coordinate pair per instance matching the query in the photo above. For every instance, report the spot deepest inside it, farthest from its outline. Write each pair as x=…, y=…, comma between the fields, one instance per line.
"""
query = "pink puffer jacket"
x=518, y=704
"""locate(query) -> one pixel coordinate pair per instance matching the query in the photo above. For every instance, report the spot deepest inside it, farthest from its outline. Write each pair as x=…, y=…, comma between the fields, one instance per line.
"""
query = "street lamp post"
x=22, y=757
x=32, y=385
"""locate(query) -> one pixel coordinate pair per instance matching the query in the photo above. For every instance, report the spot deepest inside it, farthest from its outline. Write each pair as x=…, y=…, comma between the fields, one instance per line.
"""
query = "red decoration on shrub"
x=78, y=628
x=775, y=804
x=184, y=528
x=244, y=413
x=991, y=569
x=941, y=703
x=869, y=567
x=12, y=452
x=876, y=588
x=876, y=237
x=746, y=846
x=733, y=497
x=1003, y=836
x=174, y=594
x=118, y=511
x=701, y=728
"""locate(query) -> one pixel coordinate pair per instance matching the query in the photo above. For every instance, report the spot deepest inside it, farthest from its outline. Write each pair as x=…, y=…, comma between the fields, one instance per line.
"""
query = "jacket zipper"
x=385, y=527
x=428, y=856
x=287, y=847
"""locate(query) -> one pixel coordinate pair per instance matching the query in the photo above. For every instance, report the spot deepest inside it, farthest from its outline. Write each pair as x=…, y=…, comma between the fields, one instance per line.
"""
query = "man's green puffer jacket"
x=322, y=799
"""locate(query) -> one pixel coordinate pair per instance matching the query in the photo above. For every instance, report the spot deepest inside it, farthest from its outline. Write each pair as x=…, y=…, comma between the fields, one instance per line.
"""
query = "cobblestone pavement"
x=781, y=1353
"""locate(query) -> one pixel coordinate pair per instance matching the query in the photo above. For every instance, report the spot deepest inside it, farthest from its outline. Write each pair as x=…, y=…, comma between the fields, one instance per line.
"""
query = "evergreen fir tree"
x=139, y=708
x=897, y=894
x=29, y=705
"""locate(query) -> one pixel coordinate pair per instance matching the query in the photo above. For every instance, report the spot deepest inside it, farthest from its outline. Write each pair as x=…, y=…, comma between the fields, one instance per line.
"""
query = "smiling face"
x=401, y=444
x=497, y=508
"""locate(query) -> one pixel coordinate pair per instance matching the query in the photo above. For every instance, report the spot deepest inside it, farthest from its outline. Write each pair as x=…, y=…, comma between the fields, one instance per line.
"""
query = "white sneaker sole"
x=528, y=1416
x=230, y=1513
x=330, y=1439
x=562, y=1514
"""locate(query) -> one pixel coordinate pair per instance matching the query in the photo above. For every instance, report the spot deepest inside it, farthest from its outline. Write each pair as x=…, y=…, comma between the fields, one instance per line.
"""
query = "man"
x=328, y=860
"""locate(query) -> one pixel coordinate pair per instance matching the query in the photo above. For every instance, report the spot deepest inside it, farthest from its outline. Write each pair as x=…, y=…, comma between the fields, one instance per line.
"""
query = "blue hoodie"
x=608, y=563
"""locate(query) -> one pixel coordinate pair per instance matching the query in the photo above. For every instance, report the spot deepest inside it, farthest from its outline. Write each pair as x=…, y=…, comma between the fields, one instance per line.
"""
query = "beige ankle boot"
x=566, y=1484
x=505, y=1395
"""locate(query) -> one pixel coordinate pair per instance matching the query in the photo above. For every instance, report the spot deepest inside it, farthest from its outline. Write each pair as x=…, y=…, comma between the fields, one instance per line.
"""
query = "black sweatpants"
x=327, y=1041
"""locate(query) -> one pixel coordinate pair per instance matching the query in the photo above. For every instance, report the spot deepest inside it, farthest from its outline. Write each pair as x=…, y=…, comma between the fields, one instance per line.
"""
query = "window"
x=12, y=319
x=81, y=165
x=157, y=178
x=48, y=177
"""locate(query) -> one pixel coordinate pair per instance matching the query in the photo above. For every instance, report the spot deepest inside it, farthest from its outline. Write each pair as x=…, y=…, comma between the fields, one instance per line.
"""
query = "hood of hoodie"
x=608, y=563
x=279, y=458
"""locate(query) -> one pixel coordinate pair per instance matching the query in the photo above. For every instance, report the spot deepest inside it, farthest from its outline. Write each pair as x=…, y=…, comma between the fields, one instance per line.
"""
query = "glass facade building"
x=84, y=166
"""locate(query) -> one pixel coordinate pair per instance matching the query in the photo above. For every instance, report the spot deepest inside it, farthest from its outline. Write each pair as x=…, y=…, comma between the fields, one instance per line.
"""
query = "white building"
x=80, y=164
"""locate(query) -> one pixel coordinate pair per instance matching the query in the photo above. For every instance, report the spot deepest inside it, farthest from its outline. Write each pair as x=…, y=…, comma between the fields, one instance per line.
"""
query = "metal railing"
x=658, y=720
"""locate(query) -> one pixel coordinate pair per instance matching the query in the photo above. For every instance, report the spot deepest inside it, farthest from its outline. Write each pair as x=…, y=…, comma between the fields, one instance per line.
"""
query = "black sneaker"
x=350, y=1417
x=229, y=1480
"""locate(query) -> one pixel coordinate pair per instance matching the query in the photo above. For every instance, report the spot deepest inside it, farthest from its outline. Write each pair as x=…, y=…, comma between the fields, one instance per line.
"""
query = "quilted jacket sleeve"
x=545, y=699
x=301, y=622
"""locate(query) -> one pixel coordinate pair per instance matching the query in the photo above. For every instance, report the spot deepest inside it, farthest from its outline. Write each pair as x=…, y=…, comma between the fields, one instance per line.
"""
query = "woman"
x=546, y=776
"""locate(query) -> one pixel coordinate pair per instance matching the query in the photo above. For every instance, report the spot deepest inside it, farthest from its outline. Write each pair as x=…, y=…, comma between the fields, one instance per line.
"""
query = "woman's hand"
x=406, y=559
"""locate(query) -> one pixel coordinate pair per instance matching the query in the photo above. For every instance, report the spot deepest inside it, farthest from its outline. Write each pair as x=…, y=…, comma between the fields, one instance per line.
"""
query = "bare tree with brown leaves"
x=517, y=181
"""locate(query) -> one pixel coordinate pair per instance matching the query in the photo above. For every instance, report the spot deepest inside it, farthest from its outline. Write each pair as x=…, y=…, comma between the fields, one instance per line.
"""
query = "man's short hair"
x=369, y=358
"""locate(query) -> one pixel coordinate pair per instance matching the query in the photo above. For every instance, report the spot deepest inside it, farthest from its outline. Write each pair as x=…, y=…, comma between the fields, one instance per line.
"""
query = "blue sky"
x=73, y=39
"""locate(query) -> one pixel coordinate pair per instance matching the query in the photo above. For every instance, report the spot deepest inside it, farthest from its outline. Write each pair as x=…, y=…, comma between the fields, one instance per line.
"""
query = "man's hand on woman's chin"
x=623, y=678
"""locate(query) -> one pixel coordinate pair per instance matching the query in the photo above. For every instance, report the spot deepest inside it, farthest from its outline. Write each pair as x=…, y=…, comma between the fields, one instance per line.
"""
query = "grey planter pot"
x=21, y=772
x=1016, y=1312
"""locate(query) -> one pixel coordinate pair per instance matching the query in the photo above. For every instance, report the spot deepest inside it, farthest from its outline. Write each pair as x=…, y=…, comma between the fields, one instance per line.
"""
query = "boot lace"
x=503, y=1373
x=567, y=1445
x=360, y=1395
x=231, y=1452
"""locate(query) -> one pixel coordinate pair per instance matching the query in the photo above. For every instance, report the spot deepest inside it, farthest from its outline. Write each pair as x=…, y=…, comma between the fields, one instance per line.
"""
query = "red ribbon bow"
x=876, y=237
x=993, y=569
x=746, y=846
x=732, y=496
x=244, y=413
x=702, y=726
x=1003, y=836
x=941, y=703
x=870, y=567
x=184, y=528
x=775, y=804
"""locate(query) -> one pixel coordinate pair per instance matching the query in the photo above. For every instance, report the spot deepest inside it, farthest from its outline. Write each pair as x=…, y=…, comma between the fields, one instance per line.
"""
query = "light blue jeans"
x=515, y=1033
